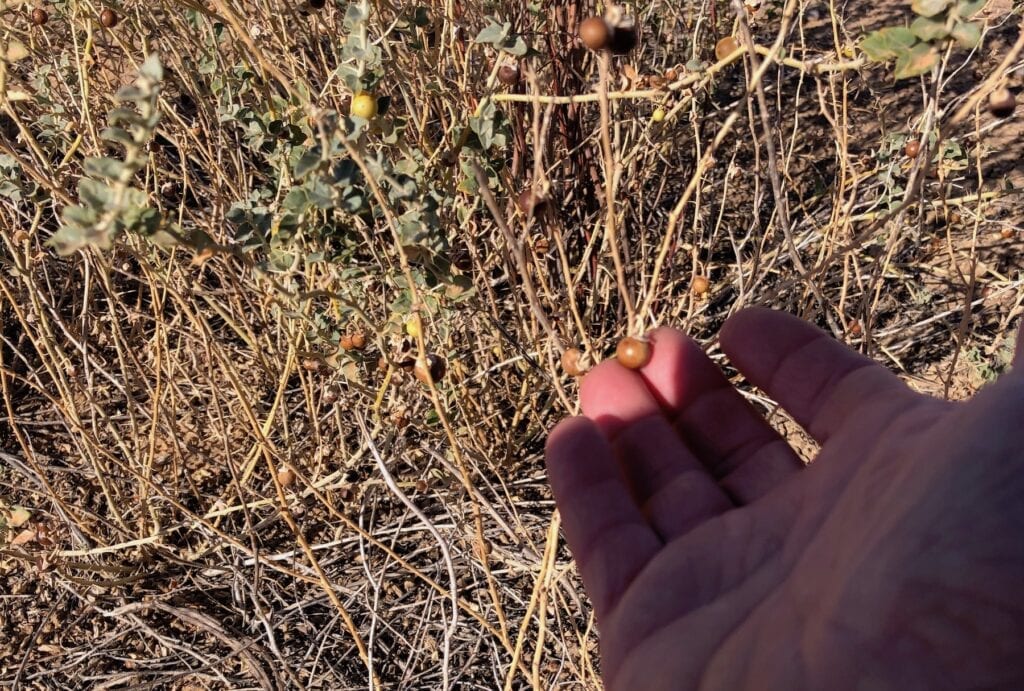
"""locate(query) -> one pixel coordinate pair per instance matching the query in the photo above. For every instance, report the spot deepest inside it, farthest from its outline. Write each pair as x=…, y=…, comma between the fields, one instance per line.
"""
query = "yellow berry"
x=658, y=115
x=364, y=105
x=413, y=325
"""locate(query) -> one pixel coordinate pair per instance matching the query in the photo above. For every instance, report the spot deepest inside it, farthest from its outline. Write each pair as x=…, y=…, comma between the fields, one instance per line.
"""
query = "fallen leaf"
x=24, y=537
x=16, y=50
x=19, y=517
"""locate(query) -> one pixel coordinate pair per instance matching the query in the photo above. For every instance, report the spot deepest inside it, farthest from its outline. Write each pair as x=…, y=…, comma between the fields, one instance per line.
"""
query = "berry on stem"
x=633, y=353
x=432, y=368
x=571, y=362
x=1001, y=103
x=508, y=75
x=364, y=105
x=108, y=18
x=595, y=33
x=725, y=47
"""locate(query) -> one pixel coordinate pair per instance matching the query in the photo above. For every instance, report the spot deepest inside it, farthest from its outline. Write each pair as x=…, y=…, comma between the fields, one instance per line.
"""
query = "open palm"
x=715, y=559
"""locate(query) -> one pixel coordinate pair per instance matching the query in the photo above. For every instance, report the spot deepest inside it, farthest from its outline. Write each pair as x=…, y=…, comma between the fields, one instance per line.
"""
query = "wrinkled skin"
x=716, y=559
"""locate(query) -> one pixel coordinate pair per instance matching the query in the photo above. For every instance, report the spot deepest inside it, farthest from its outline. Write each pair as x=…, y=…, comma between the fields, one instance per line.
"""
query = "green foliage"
x=501, y=37
x=992, y=363
x=110, y=205
x=13, y=184
x=916, y=49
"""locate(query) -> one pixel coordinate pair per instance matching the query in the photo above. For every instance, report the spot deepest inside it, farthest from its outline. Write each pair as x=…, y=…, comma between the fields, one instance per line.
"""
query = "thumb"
x=1018, y=356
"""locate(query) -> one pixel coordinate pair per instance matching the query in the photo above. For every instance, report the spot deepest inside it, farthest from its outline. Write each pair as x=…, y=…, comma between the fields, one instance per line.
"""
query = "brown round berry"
x=633, y=353
x=530, y=202
x=671, y=74
x=346, y=342
x=623, y=40
x=571, y=362
x=854, y=328
x=1001, y=103
x=913, y=148
x=285, y=476
x=508, y=75
x=359, y=340
x=725, y=47
x=432, y=369
x=108, y=18
x=594, y=33
x=39, y=16
x=700, y=285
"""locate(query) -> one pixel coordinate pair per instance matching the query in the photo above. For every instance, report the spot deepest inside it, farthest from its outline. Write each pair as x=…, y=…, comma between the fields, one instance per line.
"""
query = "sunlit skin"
x=715, y=559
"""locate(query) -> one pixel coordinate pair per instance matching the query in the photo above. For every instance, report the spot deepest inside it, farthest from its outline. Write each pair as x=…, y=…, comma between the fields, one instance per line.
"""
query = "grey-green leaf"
x=887, y=43
x=916, y=61
x=929, y=29
x=95, y=194
x=969, y=9
x=929, y=8
x=967, y=34
x=493, y=33
x=104, y=168
x=307, y=162
x=152, y=69
x=118, y=134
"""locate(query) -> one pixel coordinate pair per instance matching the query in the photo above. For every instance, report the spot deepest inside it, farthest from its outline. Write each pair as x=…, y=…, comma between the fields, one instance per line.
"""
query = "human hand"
x=716, y=560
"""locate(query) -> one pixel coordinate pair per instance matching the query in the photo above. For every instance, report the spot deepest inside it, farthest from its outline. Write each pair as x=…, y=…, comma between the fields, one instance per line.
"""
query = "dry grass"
x=152, y=397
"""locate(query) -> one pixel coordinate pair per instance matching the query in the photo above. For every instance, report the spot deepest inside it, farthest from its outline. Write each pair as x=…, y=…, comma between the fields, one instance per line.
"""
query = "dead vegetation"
x=219, y=495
